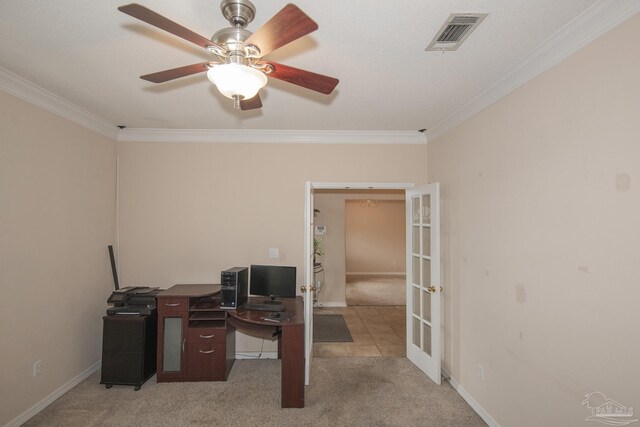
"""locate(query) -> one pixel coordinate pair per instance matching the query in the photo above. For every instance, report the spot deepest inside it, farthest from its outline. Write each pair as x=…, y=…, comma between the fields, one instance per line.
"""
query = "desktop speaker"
x=234, y=290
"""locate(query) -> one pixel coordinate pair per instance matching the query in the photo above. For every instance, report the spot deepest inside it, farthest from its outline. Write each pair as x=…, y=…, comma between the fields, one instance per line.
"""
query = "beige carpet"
x=375, y=290
x=345, y=392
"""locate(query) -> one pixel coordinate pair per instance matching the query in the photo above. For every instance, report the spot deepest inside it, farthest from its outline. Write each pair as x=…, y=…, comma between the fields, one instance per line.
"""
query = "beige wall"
x=189, y=210
x=331, y=204
x=540, y=217
x=375, y=237
x=57, y=216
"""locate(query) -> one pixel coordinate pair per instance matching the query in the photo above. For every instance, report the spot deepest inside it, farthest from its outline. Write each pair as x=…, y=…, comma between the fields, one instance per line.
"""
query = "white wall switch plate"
x=274, y=253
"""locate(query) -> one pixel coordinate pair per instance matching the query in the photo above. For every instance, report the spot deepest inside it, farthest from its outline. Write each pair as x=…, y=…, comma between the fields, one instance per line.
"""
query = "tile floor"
x=377, y=331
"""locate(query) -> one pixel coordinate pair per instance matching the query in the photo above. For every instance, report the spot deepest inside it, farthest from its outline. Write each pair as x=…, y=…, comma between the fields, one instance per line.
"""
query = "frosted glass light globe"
x=237, y=80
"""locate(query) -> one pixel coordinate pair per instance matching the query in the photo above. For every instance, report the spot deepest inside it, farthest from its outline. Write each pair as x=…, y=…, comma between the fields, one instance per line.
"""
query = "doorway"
x=423, y=292
x=363, y=258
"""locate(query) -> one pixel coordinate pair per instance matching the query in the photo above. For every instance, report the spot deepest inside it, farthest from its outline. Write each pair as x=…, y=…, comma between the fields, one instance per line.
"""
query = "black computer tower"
x=235, y=287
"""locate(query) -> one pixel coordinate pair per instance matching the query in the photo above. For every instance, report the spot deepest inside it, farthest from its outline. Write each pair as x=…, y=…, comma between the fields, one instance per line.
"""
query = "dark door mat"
x=330, y=328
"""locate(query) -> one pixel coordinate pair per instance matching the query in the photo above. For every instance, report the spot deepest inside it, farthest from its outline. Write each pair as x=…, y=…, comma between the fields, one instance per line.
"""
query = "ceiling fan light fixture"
x=237, y=80
x=243, y=72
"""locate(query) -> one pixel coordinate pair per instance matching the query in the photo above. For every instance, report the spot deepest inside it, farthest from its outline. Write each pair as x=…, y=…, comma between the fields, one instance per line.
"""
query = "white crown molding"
x=254, y=136
x=23, y=89
x=27, y=91
x=601, y=17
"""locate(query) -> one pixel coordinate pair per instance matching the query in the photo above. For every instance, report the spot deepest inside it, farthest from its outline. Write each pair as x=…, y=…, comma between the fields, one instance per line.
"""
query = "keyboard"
x=264, y=307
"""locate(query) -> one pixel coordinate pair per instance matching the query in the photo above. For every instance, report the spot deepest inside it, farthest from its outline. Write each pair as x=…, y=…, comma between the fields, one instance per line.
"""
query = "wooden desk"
x=290, y=344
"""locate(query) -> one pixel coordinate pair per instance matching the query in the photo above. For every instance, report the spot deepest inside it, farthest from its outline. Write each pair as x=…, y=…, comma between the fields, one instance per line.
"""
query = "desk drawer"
x=203, y=336
x=207, y=361
x=173, y=304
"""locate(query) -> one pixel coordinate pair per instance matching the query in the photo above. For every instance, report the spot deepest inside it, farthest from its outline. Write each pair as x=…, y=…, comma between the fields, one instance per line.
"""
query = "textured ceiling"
x=90, y=54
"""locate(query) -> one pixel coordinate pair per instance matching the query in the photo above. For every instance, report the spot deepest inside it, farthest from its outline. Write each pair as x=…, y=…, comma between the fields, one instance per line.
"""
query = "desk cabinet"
x=194, y=341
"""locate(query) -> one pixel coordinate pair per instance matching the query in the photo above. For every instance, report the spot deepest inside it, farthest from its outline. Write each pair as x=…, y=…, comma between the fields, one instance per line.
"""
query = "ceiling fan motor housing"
x=238, y=12
x=232, y=38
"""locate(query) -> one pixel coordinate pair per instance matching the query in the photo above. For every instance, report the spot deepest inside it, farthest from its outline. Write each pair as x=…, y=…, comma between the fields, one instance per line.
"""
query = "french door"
x=423, y=279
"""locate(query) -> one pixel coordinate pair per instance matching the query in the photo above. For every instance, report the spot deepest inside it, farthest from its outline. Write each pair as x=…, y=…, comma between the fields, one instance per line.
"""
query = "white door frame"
x=310, y=186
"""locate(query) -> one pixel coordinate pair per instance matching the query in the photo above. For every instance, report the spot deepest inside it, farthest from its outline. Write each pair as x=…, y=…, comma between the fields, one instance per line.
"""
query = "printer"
x=133, y=300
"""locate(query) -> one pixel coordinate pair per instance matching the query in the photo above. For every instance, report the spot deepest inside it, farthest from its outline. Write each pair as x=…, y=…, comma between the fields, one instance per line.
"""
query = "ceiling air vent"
x=455, y=30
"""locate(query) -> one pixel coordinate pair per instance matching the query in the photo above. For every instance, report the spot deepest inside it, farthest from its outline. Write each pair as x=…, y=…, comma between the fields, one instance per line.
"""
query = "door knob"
x=432, y=289
x=303, y=288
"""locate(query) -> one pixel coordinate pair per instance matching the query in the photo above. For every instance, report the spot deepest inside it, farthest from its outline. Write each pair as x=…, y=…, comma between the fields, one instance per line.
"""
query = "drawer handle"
x=207, y=336
x=206, y=351
x=175, y=304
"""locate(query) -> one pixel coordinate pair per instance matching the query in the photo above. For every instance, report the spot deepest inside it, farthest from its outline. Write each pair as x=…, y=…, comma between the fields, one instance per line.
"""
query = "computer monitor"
x=272, y=281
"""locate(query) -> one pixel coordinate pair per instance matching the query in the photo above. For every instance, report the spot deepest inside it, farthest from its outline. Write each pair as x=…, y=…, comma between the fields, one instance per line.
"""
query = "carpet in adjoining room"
x=375, y=290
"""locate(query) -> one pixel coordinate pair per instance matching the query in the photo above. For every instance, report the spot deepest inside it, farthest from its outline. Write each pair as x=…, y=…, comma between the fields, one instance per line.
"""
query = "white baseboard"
x=35, y=409
x=387, y=273
x=471, y=401
x=332, y=304
x=257, y=355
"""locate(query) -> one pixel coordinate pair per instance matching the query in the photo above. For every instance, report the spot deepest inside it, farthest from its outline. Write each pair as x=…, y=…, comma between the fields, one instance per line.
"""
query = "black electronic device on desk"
x=135, y=300
x=234, y=283
x=264, y=307
x=273, y=281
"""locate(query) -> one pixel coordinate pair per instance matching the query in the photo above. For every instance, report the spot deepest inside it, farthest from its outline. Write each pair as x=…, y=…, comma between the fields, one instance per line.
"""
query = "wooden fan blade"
x=151, y=17
x=286, y=26
x=251, y=104
x=175, y=73
x=313, y=81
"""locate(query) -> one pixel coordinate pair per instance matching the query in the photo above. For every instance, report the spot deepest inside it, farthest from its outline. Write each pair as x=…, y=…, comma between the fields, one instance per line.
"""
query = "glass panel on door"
x=425, y=210
x=426, y=338
x=415, y=240
x=426, y=306
x=415, y=210
x=426, y=272
x=426, y=241
x=416, y=301
x=415, y=276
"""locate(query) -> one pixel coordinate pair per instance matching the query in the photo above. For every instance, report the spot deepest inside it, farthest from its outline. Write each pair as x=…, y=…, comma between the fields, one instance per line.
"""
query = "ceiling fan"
x=238, y=69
